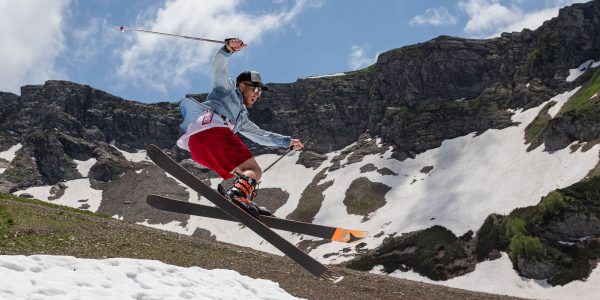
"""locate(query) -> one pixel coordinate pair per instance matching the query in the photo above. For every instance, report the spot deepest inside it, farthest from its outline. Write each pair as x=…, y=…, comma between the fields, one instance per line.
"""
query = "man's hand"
x=296, y=144
x=234, y=44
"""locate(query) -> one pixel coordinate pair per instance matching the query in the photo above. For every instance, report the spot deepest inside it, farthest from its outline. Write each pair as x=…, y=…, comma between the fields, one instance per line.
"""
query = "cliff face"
x=417, y=96
x=413, y=97
x=61, y=121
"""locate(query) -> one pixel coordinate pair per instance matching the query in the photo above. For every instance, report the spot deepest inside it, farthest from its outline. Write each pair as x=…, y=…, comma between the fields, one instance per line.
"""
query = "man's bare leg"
x=250, y=168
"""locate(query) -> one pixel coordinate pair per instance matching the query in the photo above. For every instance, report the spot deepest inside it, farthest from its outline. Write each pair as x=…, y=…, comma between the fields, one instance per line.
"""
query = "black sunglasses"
x=257, y=89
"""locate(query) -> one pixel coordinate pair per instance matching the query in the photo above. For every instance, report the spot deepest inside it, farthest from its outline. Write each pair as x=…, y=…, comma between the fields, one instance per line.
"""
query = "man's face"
x=250, y=93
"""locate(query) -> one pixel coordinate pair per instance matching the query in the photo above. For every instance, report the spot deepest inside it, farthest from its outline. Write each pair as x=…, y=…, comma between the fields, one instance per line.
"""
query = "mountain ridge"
x=414, y=100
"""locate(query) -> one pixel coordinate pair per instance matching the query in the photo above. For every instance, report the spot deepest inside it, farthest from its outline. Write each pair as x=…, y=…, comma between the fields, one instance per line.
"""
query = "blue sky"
x=74, y=39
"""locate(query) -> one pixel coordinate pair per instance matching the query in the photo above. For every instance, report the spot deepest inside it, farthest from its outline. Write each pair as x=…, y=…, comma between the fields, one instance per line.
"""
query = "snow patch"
x=84, y=166
x=328, y=75
x=11, y=153
x=66, y=277
x=78, y=193
x=138, y=156
x=575, y=73
x=561, y=100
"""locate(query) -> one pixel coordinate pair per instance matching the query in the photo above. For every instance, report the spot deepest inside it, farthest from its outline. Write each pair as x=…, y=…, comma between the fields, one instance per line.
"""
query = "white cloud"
x=531, y=20
x=488, y=15
x=90, y=40
x=358, y=58
x=31, y=40
x=158, y=62
x=434, y=16
x=488, y=18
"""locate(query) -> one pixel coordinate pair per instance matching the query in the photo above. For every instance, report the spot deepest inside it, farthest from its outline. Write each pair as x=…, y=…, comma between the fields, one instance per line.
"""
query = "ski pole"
x=282, y=156
x=123, y=29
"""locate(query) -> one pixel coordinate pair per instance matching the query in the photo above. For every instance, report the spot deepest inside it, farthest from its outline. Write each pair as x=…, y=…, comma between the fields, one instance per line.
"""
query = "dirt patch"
x=364, y=196
x=368, y=168
x=205, y=234
x=57, y=191
x=308, y=245
x=271, y=198
x=311, y=199
x=386, y=171
x=363, y=147
x=126, y=196
x=426, y=169
x=311, y=159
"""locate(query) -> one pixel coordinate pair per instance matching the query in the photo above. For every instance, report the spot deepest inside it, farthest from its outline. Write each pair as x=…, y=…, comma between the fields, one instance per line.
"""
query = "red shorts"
x=218, y=149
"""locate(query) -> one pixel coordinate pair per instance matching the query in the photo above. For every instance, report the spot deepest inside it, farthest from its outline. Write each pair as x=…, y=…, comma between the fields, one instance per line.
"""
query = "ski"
x=176, y=170
x=336, y=234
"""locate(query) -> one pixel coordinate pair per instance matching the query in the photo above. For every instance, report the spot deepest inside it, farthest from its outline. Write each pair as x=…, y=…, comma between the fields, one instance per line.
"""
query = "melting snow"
x=575, y=73
x=560, y=101
x=78, y=193
x=138, y=156
x=66, y=277
x=84, y=166
x=328, y=75
x=9, y=155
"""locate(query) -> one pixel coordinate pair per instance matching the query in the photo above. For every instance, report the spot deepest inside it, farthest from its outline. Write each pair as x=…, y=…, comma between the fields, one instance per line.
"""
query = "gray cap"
x=253, y=77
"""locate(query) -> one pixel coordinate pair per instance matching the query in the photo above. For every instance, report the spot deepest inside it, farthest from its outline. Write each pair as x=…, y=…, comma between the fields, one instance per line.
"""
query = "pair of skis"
x=228, y=211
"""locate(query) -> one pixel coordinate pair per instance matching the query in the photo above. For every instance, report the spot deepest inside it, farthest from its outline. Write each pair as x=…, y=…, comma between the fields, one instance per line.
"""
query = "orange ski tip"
x=347, y=235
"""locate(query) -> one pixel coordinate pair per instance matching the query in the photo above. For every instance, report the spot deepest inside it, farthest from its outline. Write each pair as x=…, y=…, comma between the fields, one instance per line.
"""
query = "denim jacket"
x=225, y=99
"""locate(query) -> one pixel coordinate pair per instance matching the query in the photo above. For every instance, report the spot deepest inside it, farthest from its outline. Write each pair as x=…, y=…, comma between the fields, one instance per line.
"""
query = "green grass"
x=582, y=101
x=534, y=130
x=12, y=197
x=6, y=221
x=29, y=226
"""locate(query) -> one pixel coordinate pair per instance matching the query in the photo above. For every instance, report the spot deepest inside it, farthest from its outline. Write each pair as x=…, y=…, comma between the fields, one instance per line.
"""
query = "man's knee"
x=250, y=168
x=254, y=173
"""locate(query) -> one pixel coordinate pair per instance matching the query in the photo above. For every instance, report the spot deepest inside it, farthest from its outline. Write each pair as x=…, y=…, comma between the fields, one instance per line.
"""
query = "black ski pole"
x=123, y=29
x=282, y=156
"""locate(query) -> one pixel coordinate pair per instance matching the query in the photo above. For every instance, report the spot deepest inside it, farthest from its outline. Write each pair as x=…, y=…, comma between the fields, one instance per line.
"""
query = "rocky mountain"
x=414, y=100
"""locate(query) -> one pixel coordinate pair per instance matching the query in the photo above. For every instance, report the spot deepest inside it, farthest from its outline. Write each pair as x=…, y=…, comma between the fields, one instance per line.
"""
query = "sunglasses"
x=257, y=89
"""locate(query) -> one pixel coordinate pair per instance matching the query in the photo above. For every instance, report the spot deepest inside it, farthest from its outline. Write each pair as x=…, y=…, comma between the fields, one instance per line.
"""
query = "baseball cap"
x=253, y=77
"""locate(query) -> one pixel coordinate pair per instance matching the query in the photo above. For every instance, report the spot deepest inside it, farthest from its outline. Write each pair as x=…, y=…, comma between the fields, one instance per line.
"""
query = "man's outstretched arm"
x=221, y=81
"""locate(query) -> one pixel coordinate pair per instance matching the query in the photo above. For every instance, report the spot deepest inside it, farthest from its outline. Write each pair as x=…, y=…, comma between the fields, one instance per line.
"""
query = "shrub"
x=526, y=246
x=515, y=226
x=553, y=204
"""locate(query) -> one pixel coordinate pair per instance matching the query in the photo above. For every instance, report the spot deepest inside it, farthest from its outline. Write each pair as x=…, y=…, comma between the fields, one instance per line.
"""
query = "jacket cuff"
x=224, y=49
x=285, y=142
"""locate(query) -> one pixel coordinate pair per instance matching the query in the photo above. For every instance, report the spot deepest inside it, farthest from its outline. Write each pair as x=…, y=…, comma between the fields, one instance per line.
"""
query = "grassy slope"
x=33, y=227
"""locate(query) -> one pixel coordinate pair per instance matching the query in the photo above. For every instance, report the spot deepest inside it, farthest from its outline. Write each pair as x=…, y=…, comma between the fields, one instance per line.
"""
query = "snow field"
x=66, y=277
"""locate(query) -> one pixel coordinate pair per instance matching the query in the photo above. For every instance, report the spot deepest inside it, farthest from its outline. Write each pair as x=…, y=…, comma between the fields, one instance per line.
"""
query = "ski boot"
x=242, y=192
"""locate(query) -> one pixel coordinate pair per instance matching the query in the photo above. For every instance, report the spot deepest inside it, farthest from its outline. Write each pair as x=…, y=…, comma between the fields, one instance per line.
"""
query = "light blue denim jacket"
x=226, y=100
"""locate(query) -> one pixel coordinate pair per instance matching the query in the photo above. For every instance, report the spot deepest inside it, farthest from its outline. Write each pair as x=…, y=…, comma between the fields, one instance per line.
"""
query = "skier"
x=210, y=129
